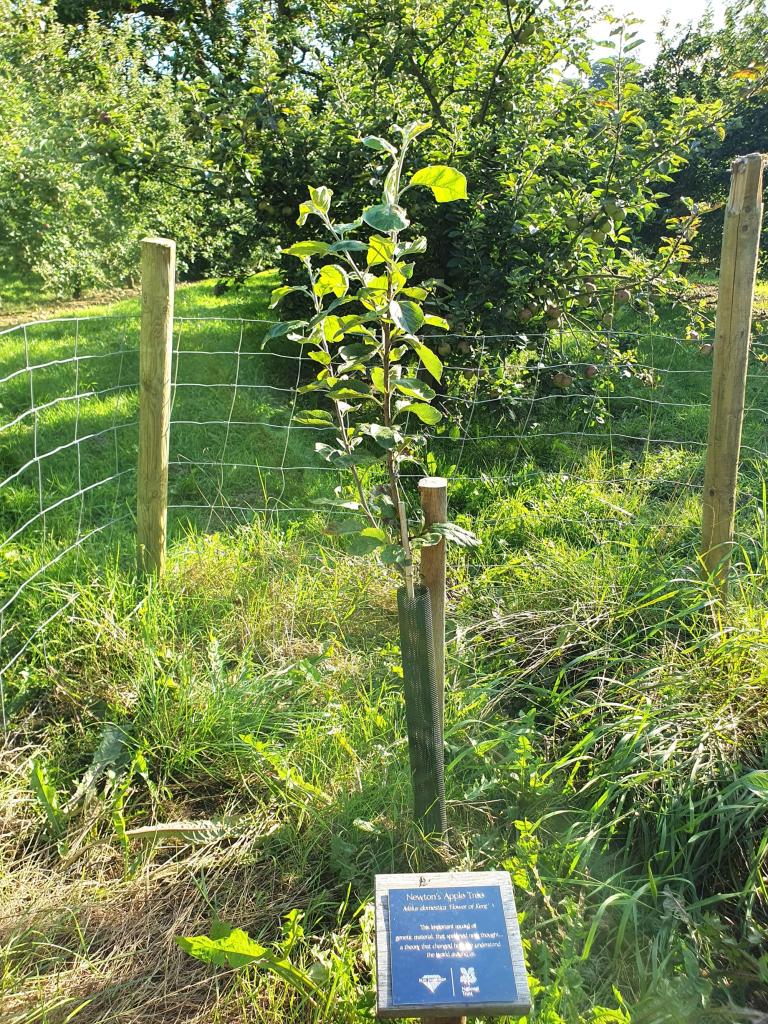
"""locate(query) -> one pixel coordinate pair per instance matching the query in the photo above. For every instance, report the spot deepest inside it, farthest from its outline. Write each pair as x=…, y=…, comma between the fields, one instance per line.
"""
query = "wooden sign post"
x=448, y=944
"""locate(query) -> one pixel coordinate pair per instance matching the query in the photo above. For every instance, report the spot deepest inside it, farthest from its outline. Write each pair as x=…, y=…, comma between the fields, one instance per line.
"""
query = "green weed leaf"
x=359, y=351
x=319, y=355
x=235, y=948
x=412, y=248
x=47, y=797
x=112, y=752
x=756, y=782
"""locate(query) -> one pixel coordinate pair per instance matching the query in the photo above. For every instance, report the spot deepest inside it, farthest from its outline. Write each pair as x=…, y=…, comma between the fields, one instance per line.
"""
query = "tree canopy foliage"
x=728, y=64
x=205, y=120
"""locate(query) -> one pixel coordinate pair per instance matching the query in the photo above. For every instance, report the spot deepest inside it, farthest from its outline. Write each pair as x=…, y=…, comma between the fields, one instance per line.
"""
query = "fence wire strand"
x=524, y=422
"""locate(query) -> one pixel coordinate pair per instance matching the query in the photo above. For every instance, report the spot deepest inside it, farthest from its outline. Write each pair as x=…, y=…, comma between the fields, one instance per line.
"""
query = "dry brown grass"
x=87, y=936
x=87, y=943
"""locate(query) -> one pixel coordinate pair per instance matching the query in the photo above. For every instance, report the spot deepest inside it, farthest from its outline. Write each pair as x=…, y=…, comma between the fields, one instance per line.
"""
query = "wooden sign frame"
x=384, y=1006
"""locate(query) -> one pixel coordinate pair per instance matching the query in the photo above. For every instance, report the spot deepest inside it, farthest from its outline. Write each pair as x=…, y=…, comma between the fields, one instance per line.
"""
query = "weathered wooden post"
x=738, y=267
x=434, y=503
x=433, y=491
x=158, y=272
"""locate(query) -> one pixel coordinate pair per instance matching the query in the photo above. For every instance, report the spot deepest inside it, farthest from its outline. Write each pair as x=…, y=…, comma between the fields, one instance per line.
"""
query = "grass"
x=230, y=744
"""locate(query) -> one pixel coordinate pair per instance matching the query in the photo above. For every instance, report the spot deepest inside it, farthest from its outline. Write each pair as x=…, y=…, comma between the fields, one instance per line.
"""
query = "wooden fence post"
x=158, y=272
x=433, y=491
x=738, y=267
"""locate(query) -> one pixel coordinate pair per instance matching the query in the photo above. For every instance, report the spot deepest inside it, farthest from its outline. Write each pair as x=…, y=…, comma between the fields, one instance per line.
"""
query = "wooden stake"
x=434, y=502
x=408, y=567
x=158, y=272
x=738, y=267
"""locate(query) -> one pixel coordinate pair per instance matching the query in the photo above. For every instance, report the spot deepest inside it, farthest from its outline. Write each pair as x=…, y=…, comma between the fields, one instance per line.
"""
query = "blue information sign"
x=449, y=945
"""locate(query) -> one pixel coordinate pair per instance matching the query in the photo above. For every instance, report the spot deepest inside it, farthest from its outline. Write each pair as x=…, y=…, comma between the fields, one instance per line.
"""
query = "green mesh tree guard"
x=422, y=709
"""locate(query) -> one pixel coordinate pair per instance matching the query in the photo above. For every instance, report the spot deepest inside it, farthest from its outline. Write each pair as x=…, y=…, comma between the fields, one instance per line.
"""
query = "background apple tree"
x=212, y=116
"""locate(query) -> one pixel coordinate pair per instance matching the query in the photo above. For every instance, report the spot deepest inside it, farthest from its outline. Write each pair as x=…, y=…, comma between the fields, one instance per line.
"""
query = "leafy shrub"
x=89, y=141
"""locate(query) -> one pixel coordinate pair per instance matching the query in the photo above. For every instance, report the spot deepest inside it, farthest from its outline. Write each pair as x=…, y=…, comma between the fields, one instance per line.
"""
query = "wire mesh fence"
x=574, y=434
